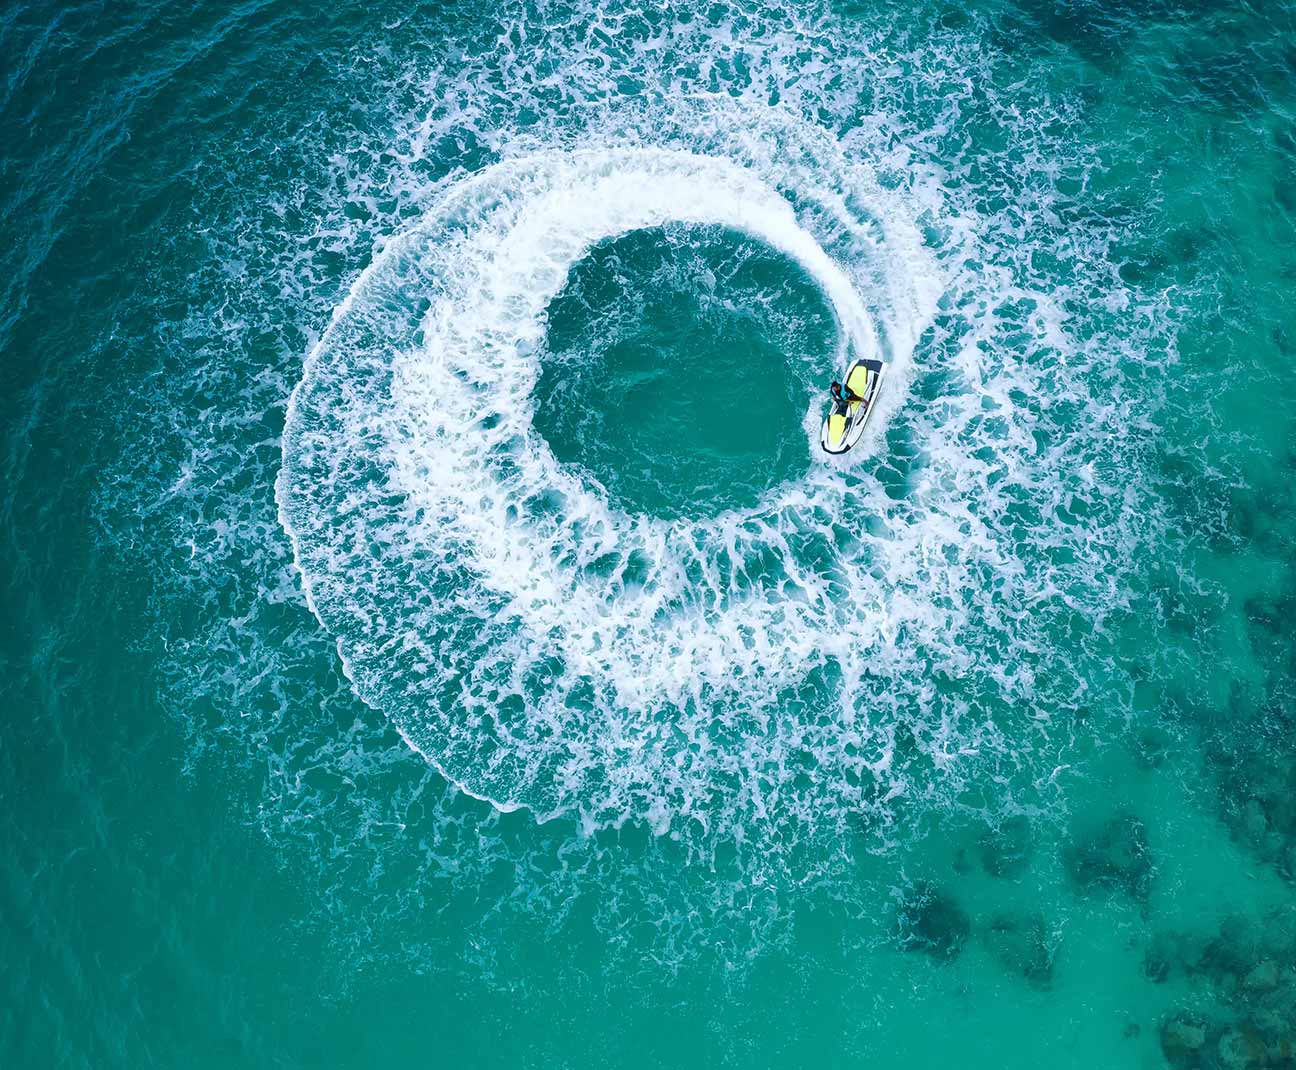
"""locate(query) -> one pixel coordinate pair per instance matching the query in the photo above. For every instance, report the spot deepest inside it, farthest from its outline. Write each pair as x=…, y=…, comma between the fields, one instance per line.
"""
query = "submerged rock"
x=1234, y=951
x=1116, y=858
x=930, y=921
x=1254, y=822
x=1007, y=848
x=1192, y=950
x=1249, y=966
x=1151, y=745
x=1023, y=945
x=1161, y=957
x=1183, y=1040
x=1255, y=774
x=1169, y=953
x=1262, y=977
x=1278, y=937
x=1241, y=1049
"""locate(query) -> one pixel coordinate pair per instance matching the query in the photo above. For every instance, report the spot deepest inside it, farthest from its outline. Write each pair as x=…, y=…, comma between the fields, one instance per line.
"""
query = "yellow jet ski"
x=845, y=421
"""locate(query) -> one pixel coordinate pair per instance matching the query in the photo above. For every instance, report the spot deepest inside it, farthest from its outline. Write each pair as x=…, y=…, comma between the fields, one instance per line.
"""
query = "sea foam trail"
x=546, y=649
x=975, y=565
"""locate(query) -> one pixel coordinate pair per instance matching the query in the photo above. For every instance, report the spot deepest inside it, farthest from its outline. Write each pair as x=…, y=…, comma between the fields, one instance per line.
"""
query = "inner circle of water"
x=678, y=365
x=542, y=644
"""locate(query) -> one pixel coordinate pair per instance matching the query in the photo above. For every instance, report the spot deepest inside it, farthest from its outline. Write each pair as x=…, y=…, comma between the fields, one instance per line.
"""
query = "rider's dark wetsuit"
x=843, y=394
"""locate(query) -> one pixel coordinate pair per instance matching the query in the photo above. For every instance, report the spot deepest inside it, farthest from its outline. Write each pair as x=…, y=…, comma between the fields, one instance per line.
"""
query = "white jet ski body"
x=845, y=422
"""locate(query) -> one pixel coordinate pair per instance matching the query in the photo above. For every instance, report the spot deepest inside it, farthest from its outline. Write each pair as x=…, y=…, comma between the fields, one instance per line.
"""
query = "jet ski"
x=844, y=424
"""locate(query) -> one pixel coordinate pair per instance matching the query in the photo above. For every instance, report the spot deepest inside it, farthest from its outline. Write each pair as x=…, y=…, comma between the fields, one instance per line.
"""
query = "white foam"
x=461, y=479
x=546, y=649
x=942, y=550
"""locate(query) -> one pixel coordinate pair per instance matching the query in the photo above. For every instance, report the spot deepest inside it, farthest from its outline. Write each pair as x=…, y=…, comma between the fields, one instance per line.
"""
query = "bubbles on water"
x=784, y=687
x=541, y=646
x=753, y=668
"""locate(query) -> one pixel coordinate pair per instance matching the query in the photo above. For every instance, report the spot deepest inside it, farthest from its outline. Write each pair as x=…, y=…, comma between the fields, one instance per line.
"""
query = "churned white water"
x=545, y=648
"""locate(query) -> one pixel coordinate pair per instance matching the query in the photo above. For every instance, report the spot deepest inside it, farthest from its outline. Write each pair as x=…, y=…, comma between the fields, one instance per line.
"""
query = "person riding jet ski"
x=852, y=403
x=843, y=394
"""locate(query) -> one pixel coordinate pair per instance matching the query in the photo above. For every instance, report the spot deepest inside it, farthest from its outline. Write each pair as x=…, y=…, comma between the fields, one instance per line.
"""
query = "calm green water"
x=432, y=635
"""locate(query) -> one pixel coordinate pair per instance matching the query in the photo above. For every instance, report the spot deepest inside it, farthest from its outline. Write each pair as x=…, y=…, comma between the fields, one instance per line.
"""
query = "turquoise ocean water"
x=431, y=635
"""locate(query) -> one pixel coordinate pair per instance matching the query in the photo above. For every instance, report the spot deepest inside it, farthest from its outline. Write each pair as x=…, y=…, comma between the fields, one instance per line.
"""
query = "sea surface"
x=430, y=634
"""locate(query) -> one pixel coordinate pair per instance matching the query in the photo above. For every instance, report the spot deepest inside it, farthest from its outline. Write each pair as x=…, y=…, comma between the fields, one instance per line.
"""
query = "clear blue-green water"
x=432, y=636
